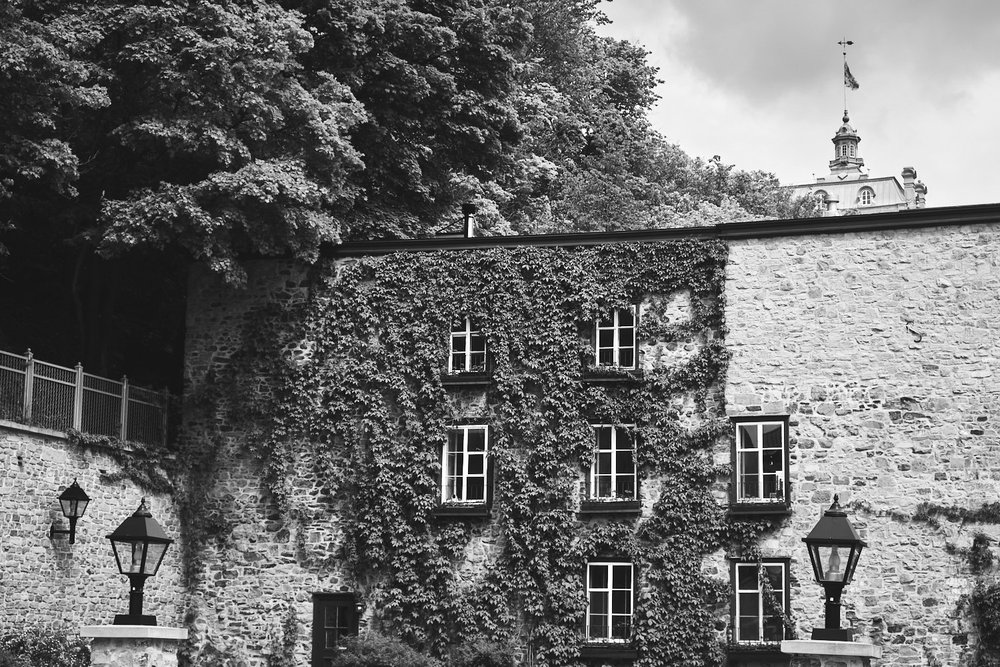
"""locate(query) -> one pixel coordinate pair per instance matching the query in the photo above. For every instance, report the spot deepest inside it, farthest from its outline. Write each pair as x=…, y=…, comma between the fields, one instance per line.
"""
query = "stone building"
x=849, y=189
x=859, y=358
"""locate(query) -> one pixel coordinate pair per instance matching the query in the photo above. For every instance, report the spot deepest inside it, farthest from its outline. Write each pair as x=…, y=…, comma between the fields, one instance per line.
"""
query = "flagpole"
x=845, y=43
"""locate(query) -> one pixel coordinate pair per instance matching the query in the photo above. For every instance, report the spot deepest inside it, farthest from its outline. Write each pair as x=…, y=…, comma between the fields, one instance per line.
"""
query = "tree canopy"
x=136, y=137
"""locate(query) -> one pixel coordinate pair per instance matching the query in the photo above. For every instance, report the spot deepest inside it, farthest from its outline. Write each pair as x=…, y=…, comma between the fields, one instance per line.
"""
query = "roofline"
x=948, y=216
x=844, y=182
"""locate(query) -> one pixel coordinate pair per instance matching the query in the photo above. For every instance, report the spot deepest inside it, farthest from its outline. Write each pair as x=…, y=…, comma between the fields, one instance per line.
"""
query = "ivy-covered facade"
x=590, y=450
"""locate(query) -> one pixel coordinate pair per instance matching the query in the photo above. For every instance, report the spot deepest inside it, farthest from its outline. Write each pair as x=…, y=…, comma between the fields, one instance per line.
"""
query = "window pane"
x=749, y=629
x=624, y=461
x=746, y=577
x=620, y=627
x=622, y=576
x=749, y=486
x=770, y=487
x=772, y=460
x=599, y=603
x=748, y=463
x=606, y=358
x=603, y=437
x=458, y=343
x=476, y=489
x=772, y=435
x=476, y=462
x=455, y=464
x=604, y=486
x=606, y=338
x=748, y=437
x=621, y=602
x=455, y=440
x=775, y=574
x=626, y=486
x=626, y=358
x=625, y=317
x=477, y=361
x=598, y=626
x=477, y=440
x=604, y=463
x=626, y=338
x=598, y=576
x=478, y=343
x=773, y=629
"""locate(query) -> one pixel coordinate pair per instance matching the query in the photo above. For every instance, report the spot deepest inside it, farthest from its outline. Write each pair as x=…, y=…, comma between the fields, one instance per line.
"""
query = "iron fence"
x=37, y=393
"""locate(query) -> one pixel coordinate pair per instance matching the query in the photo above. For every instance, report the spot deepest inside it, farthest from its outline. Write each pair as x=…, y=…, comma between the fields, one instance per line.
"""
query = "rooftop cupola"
x=846, y=157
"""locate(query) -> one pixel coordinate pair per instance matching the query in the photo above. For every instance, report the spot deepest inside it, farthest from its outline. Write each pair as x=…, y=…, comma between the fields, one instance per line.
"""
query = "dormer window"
x=615, y=339
x=468, y=348
x=866, y=196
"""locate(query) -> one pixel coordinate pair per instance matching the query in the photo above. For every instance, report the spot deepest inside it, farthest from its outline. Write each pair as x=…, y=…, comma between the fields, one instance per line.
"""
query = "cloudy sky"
x=760, y=83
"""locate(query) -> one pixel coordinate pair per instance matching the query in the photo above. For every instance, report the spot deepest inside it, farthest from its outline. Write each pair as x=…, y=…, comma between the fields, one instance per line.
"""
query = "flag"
x=849, y=79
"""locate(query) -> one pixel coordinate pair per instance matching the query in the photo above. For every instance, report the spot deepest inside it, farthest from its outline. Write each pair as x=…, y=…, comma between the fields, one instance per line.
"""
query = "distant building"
x=849, y=188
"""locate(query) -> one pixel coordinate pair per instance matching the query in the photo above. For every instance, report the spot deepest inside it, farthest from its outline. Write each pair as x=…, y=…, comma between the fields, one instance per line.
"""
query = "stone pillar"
x=130, y=645
x=816, y=653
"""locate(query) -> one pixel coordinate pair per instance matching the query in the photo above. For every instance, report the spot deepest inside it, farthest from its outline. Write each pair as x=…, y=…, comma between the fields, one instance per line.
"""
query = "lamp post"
x=834, y=547
x=139, y=544
x=74, y=503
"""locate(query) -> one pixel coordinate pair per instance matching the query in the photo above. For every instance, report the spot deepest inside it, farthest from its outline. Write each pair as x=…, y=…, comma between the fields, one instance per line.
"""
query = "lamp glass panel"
x=154, y=555
x=832, y=561
x=852, y=563
x=129, y=554
x=73, y=508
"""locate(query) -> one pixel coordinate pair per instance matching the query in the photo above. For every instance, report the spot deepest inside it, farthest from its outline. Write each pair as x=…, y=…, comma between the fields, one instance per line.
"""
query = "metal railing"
x=37, y=393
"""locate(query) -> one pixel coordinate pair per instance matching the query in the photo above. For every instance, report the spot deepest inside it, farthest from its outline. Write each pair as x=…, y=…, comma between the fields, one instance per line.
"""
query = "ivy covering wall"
x=368, y=411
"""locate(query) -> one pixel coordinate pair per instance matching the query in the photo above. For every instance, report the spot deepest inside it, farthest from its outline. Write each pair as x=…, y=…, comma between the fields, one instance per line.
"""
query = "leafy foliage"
x=369, y=407
x=39, y=647
x=374, y=650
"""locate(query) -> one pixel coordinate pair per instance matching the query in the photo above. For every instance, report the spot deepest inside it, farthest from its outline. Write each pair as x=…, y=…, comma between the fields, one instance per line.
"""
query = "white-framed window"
x=610, y=594
x=615, y=338
x=464, y=465
x=613, y=471
x=761, y=457
x=760, y=604
x=866, y=196
x=852, y=149
x=468, y=348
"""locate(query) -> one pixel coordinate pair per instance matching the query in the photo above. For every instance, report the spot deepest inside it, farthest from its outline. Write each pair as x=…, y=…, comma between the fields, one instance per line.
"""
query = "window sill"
x=609, y=650
x=466, y=379
x=620, y=507
x=466, y=510
x=780, y=508
x=611, y=374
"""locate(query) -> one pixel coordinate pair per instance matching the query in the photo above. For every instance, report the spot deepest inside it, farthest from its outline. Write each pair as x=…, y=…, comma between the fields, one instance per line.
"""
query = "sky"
x=760, y=83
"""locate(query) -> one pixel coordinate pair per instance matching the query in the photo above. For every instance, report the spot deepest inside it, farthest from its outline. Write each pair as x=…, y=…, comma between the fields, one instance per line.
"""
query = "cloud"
x=768, y=50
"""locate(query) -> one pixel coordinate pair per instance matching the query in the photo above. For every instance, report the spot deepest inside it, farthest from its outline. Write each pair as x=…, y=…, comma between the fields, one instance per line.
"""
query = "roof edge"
x=949, y=216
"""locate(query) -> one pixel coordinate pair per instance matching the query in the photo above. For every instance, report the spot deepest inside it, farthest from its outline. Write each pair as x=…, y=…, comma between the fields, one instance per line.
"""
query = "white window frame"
x=468, y=335
x=608, y=609
x=616, y=430
x=616, y=346
x=781, y=473
x=450, y=480
x=739, y=607
x=866, y=193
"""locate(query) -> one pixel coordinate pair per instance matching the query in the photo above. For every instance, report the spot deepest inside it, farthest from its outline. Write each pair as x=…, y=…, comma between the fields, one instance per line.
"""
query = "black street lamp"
x=139, y=545
x=74, y=503
x=834, y=547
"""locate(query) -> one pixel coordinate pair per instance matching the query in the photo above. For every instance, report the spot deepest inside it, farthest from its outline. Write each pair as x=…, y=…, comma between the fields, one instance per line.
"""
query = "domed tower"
x=846, y=157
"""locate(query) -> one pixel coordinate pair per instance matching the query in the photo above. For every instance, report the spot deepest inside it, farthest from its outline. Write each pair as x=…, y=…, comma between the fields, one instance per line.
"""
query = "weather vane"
x=849, y=80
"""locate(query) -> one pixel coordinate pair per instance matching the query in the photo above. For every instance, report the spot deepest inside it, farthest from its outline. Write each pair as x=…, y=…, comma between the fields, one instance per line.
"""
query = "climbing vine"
x=368, y=404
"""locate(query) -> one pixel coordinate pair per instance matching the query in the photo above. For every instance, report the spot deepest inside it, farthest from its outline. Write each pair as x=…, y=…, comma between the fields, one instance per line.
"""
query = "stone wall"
x=50, y=582
x=883, y=347
x=262, y=566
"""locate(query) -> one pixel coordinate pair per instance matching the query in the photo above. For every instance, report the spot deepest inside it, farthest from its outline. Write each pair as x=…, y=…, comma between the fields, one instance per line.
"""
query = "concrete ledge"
x=839, y=649
x=37, y=430
x=133, y=632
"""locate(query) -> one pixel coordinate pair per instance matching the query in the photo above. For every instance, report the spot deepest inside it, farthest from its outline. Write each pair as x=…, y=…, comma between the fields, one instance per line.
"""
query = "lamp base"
x=134, y=619
x=833, y=635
